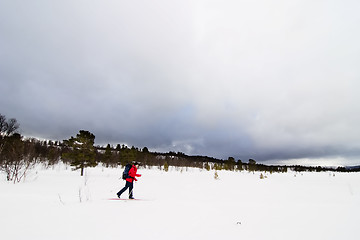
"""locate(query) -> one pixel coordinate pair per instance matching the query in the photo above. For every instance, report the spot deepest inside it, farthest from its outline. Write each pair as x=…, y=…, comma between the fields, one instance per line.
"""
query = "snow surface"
x=57, y=203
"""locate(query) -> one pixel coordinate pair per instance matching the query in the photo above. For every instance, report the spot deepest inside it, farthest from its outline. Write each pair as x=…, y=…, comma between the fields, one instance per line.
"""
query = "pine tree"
x=207, y=166
x=118, y=147
x=81, y=150
x=107, y=155
x=239, y=165
x=230, y=164
x=252, y=165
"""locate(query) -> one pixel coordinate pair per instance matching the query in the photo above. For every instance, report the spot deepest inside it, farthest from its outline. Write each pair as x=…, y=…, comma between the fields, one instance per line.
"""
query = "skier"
x=130, y=181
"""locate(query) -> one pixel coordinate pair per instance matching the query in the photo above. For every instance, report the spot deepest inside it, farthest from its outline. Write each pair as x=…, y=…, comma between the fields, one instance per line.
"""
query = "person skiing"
x=130, y=181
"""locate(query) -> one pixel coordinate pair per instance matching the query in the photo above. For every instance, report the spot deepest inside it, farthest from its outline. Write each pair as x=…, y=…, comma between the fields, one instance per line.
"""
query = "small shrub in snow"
x=166, y=167
x=216, y=176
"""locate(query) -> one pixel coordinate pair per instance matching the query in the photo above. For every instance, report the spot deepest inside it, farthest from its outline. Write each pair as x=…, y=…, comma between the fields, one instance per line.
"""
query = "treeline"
x=18, y=154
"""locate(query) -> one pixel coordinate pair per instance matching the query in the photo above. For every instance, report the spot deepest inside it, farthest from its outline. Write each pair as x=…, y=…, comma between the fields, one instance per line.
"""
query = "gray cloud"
x=266, y=80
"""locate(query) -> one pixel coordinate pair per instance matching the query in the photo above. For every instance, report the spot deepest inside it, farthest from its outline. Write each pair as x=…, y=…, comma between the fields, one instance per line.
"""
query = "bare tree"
x=2, y=124
x=12, y=126
x=2, y=133
x=7, y=128
x=16, y=156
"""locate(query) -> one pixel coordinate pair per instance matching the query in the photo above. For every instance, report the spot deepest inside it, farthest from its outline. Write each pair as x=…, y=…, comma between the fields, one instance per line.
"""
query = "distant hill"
x=353, y=168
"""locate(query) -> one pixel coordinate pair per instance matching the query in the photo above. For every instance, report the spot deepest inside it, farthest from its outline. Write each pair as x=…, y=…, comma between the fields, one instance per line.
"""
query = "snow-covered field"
x=57, y=203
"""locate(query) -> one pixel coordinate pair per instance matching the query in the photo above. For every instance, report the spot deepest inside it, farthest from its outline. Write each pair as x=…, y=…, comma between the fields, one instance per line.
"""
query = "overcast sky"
x=268, y=80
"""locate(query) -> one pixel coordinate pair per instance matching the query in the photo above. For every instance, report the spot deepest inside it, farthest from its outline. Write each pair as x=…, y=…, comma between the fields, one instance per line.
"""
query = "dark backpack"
x=126, y=171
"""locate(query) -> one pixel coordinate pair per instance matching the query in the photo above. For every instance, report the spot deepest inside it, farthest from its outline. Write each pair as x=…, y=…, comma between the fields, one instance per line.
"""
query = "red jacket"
x=132, y=174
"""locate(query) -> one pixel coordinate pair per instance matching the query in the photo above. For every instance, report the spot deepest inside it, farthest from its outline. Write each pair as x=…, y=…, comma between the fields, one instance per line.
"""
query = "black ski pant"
x=129, y=185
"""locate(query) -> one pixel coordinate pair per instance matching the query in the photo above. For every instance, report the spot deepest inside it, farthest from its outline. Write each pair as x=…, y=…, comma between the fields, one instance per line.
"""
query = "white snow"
x=57, y=203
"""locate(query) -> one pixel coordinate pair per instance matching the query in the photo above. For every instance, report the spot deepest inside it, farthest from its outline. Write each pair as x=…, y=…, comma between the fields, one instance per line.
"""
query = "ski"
x=124, y=199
